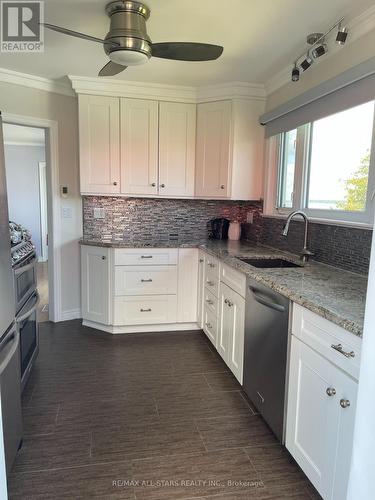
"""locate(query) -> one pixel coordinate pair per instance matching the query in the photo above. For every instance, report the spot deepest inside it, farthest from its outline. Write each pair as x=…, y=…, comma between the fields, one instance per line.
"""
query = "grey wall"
x=22, y=172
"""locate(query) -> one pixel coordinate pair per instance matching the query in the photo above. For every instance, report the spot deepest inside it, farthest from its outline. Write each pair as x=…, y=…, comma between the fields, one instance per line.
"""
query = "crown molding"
x=358, y=27
x=35, y=82
x=174, y=93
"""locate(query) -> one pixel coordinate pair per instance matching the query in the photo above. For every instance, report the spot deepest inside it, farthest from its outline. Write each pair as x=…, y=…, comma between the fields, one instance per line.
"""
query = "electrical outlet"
x=99, y=213
x=250, y=217
x=66, y=212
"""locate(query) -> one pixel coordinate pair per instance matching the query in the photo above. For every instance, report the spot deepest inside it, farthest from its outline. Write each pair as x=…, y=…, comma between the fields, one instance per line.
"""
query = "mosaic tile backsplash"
x=146, y=220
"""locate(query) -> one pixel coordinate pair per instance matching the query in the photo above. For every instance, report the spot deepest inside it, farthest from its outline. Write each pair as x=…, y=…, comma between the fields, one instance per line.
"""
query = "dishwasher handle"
x=262, y=300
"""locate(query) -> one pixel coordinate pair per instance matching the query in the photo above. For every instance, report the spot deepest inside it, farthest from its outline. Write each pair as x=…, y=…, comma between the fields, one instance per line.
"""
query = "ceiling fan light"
x=128, y=57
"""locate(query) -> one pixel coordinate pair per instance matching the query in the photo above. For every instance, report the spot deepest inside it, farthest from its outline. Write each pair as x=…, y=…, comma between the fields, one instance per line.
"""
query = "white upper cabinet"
x=139, y=147
x=176, y=149
x=99, y=129
x=213, y=149
x=229, y=155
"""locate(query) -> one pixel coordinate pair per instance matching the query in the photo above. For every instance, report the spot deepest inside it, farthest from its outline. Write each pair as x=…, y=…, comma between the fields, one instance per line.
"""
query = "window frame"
x=301, y=182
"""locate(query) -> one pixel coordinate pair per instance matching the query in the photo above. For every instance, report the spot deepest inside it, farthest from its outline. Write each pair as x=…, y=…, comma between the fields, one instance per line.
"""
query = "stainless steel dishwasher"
x=265, y=358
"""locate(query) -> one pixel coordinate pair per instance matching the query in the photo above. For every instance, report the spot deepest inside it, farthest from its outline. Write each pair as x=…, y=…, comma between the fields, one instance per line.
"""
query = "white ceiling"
x=260, y=37
x=20, y=135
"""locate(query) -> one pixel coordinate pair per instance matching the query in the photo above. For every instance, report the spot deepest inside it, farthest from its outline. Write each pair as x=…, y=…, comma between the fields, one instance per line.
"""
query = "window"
x=324, y=167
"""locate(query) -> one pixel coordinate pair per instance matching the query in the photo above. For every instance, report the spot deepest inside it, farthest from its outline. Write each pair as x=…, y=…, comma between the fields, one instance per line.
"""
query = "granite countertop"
x=333, y=293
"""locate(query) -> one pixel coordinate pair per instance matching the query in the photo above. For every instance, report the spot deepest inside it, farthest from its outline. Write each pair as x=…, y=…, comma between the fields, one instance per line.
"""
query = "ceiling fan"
x=128, y=44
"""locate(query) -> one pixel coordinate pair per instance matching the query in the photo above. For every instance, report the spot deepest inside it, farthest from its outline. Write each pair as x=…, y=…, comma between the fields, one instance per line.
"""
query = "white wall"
x=24, y=101
x=22, y=173
x=361, y=484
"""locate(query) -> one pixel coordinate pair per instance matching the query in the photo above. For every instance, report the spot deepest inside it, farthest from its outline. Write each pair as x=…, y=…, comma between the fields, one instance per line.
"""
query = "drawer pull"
x=344, y=403
x=209, y=325
x=339, y=348
x=146, y=281
x=146, y=310
x=201, y=260
x=212, y=265
x=210, y=302
x=146, y=256
x=331, y=391
x=210, y=283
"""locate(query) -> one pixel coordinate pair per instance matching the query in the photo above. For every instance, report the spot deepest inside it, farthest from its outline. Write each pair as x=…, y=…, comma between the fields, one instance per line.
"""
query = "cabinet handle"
x=145, y=310
x=211, y=264
x=103, y=257
x=222, y=186
x=146, y=281
x=201, y=260
x=230, y=304
x=226, y=301
x=210, y=302
x=210, y=283
x=153, y=184
x=208, y=325
x=344, y=403
x=115, y=183
x=146, y=256
x=339, y=348
x=331, y=391
x=162, y=185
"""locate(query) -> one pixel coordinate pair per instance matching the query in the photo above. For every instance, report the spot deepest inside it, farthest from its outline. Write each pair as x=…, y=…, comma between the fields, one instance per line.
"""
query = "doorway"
x=26, y=172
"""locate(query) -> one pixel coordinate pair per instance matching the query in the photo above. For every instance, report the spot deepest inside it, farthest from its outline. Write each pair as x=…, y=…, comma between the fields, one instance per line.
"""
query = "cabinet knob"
x=162, y=185
x=210, y=283
x=208, y=325
x=222, y=186
x=344, y=403
x=201, y=260
x=211, y=265
x=153, y=184
x=103, y=257
x=330, y=391
x=230, y=304
x=226, y=301
x=210, y=302
x=115, y=183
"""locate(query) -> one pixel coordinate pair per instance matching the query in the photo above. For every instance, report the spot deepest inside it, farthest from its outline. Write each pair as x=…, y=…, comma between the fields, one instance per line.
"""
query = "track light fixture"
x=295, y=73
x=319, y=48
x=342, y=35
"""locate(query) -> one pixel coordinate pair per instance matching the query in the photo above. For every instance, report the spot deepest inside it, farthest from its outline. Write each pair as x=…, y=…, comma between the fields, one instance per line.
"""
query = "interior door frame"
x=43, y=203
x=53, y=201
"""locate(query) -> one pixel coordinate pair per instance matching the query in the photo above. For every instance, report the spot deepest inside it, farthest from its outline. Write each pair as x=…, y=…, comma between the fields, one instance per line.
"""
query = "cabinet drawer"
x=233, y=278
x=145, y=310
x=145, y=280
x=212, y=267
x=212, y=284
x=210, y=326
x=210, y=302
x=322, y=335
x=145, y=256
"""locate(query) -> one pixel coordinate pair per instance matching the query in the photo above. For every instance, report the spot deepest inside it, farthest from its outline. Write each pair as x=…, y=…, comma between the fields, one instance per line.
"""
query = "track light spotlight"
x=342, y=35
x=319, y=50
x=306, y=63
x=295, y=73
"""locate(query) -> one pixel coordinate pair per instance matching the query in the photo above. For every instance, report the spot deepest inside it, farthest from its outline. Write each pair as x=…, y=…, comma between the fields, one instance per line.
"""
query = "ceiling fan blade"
x=77, y=34
x=111, y=69
x=186, y=51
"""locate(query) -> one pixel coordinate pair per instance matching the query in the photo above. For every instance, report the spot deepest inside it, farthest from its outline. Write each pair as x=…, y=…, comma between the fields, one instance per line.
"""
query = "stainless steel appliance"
x=25, y=279
x=10, y=382
x=265, y=357
x=27, y=326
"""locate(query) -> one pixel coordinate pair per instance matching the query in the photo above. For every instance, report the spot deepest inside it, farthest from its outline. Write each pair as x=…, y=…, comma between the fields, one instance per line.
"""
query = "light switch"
x=99, y=213
x=66, y=212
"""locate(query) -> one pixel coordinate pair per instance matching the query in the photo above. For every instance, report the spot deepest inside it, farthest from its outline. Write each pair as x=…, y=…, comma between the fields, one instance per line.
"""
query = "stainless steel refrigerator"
x=10, y=372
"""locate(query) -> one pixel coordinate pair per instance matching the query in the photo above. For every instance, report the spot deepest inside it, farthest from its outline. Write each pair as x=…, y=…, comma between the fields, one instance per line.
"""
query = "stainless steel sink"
x=269, y=262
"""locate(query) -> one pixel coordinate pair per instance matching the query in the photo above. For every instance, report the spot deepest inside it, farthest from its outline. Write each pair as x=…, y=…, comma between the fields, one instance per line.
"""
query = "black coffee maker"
x=219, y=228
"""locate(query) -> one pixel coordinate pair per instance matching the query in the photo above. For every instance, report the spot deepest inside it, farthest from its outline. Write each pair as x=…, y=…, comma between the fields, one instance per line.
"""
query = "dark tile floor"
x=143, y=416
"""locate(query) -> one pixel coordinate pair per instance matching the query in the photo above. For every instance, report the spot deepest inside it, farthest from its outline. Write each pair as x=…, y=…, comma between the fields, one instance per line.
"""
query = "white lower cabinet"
x=200, y=294
x=96, y=287
x=320, y=418
x=230, y=344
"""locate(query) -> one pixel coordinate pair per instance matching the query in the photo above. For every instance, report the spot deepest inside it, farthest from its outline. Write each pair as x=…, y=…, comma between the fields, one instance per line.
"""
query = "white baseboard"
x=70, y=314
x=174, y=327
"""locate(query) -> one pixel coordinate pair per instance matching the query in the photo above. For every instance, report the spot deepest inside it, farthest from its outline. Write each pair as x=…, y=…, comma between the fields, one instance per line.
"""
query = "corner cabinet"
x=322, y=401
x=229, y=154
x=150, y=148
x=99, y=144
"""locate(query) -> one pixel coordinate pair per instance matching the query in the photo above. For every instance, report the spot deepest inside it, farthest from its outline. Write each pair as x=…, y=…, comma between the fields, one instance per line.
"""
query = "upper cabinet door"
x=99, y=144
x=139, y=147
x=177, y=124
x=213, y=150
